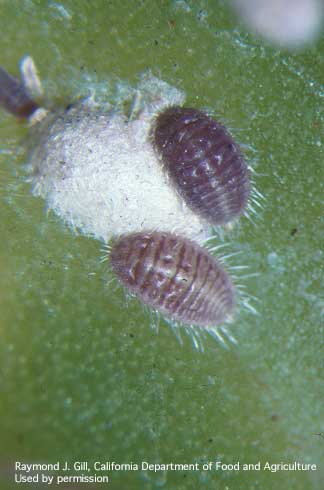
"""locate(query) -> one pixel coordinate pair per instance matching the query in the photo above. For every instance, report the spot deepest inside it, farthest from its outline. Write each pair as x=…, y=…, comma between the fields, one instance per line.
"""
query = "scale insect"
x=175, y=276
x=82, y=163
x=203, y=162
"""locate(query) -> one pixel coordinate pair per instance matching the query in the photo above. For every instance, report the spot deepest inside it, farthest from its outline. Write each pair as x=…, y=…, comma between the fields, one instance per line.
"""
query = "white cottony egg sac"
x=98, y=171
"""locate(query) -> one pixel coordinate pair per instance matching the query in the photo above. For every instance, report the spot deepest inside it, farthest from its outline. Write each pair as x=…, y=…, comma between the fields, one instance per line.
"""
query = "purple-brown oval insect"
x=175, y=276
x=204, y=163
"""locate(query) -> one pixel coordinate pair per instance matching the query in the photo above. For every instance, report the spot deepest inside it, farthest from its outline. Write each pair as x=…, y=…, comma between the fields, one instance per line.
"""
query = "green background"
x=83, y=376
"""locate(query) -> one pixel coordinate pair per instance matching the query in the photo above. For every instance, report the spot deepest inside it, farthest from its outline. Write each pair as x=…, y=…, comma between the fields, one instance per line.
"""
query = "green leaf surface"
x=83, y=377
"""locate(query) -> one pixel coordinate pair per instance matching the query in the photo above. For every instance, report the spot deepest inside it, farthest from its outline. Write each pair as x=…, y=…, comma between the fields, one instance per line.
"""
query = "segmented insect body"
x=175, y=276
x=204, y=163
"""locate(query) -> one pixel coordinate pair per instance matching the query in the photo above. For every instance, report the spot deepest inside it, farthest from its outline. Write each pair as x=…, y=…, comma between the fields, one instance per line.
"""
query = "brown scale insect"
x=203, y=162
x=175, y=276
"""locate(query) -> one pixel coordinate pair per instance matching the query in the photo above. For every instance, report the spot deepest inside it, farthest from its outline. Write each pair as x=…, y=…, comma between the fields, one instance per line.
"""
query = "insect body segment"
x=204, y=163
x=175, y=276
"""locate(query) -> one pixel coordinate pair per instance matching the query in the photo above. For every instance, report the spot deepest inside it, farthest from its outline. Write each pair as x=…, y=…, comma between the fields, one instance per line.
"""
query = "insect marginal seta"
x=203, y=162
x=175, y=276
